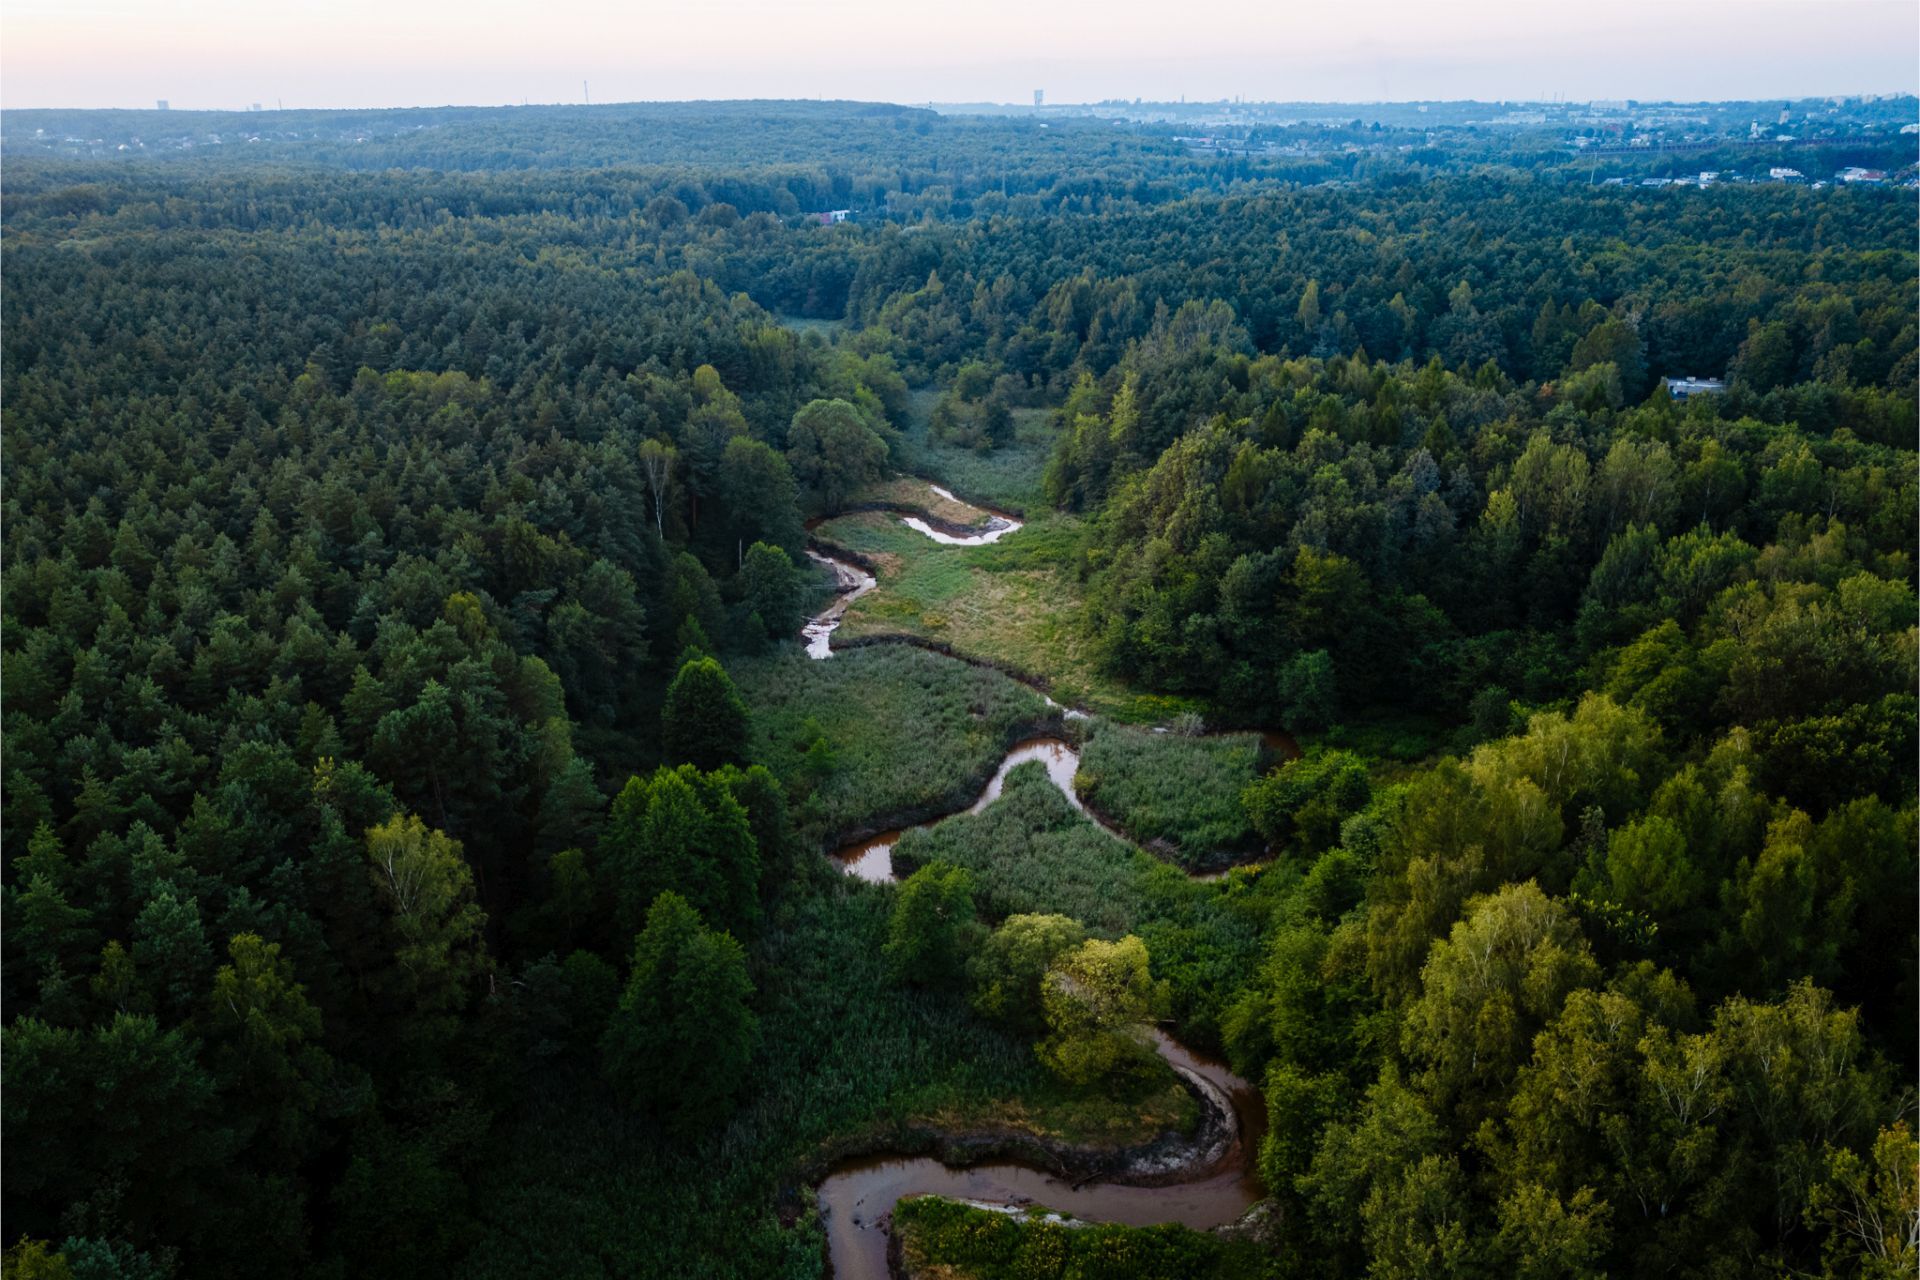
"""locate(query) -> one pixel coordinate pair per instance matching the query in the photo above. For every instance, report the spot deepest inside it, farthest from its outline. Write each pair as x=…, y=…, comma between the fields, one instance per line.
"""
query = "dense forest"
x=416, y=791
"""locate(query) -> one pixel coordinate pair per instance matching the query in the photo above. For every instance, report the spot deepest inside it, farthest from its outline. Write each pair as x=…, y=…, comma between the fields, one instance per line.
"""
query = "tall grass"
x=1031, y=851
x=847, y=1059
x=1177, y=793
x=1007, y=477
x=915, y=734
x=1016, y=601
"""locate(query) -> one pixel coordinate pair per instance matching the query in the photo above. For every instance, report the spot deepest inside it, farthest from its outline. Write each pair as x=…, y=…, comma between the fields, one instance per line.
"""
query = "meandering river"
x=1209, y=1188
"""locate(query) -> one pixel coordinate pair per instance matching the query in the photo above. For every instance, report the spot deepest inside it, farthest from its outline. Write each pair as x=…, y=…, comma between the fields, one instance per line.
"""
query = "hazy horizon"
x=223, y=55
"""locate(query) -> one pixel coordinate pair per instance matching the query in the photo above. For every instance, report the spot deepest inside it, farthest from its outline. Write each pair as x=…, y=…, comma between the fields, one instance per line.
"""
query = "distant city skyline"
x=228, y=54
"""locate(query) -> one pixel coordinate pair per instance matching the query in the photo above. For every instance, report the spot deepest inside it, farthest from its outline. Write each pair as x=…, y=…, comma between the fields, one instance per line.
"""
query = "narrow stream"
x=872, y=858
x=997, y=528
x=857, y=1198
x=850, y=582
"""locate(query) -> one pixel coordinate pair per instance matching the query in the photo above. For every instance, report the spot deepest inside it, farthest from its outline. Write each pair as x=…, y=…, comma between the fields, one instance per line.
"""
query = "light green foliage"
x=1868, y=1210
x=1098, y=999
x=35, y=1260
x=1487, y=989
x=933, y=928
x=428, y=891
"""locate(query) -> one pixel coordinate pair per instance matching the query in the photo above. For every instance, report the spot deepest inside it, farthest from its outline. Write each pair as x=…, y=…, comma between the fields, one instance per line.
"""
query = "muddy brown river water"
x=857, y=1198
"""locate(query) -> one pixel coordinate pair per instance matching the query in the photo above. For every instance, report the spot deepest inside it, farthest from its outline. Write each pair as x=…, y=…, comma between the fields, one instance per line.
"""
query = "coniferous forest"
x=421, y=806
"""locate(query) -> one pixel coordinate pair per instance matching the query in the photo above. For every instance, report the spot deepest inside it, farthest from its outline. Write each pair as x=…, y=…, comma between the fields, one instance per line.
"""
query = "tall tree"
x=684, y=1017
x=704, y=722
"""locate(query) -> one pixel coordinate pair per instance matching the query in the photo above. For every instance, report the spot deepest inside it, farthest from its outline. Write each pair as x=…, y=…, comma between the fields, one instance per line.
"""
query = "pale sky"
x=380, y=53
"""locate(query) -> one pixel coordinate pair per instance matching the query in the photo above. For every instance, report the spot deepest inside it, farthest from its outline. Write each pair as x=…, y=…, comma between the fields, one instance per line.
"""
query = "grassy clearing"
x=914, y=734
x=827, y=329
x=1016, y=601
x=1007, y=477
x=952, y=1241
x=578, y=1186
x=1178, y=793
x=910, y=491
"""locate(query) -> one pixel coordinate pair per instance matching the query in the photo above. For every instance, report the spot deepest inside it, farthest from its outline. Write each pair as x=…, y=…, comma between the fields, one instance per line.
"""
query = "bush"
x=1304, y=801
x=933, y=927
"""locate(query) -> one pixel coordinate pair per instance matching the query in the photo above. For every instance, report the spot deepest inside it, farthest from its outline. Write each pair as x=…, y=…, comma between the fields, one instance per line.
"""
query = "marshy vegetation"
x=881, y=735
x=1175, y=792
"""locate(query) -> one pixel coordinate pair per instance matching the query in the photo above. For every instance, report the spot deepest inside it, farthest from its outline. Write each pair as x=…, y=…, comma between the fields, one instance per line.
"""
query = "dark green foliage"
x=682, y=831
x=1301, y=804
x=979, y=1243
x=769, y=588
x=685, y=1015
x=1008, y=969
x=834, y=450
x=395, y=478
x=933, y=929
x=703, y=723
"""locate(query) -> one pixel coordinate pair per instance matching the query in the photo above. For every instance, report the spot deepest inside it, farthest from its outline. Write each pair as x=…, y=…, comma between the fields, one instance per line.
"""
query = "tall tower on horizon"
x=1039, y=97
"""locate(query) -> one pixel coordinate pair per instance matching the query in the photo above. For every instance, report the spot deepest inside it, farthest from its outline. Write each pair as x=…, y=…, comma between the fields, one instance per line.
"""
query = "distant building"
x=1786, y=175
x=160, y=104
x=1681, y=388
x=1856, y=174
x=830, y=216
x=1039, y=97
